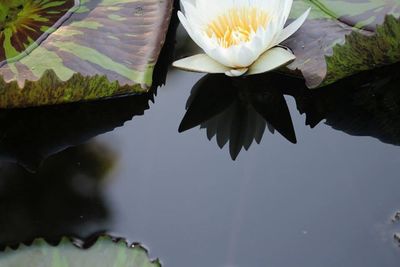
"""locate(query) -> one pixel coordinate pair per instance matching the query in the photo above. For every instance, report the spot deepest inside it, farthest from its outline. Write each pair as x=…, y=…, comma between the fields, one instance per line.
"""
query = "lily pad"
x=106, y=252
x=343, y=37
x=57, y=127
x=54, y=52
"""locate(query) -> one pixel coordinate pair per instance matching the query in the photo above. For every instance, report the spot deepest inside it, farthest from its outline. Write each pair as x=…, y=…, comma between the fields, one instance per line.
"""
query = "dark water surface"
x=326, y=201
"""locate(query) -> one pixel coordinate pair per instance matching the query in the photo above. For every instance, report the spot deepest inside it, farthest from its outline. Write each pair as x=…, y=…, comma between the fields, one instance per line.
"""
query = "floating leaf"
x=63, y=51
x=362, y=52
x=341, y=38
x=25, y=24
x=54, y=128
x=104, y=252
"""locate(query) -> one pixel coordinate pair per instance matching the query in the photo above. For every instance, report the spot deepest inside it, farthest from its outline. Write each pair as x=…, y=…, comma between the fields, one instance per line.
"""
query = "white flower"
x=238, y=36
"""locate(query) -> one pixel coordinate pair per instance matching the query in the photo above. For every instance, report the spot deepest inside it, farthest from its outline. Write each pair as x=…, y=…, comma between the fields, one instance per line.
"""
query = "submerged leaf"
x=104, y=252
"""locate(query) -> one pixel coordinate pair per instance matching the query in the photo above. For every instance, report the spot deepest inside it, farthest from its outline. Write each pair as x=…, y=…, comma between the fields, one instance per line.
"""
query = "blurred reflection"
x=63, y=198
x=238, y=110
x=367, y=104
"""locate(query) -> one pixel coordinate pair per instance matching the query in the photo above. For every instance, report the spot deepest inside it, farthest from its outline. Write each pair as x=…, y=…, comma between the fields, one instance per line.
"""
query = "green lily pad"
x=104, y=252
x=25, y=24
x=54, y=52
x=343, y=37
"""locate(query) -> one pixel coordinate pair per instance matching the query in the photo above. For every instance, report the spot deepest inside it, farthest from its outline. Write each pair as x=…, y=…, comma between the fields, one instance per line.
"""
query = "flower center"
x=236, y=25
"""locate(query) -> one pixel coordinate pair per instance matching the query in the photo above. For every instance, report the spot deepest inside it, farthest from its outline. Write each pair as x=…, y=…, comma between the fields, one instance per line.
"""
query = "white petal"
x=220, y=55
x=238, y=56
x=184, y=3
x=200, y=63
x=269, y=34
x=286, y=8
x=236, y=72
x=242, y=56
x=212, y=9
x=192, y=33
x=270, y=60
x=292, y=28
x=192, y=15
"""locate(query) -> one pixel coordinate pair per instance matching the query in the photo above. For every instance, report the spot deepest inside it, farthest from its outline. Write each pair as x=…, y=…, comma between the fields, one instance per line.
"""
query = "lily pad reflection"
x=367, y=104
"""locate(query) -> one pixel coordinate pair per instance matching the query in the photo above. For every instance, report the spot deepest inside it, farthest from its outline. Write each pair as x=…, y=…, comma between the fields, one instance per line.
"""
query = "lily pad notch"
x=104, y=251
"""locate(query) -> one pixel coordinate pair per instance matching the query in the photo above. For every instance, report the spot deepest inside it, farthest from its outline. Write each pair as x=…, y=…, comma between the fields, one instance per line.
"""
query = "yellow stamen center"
x=236, y=25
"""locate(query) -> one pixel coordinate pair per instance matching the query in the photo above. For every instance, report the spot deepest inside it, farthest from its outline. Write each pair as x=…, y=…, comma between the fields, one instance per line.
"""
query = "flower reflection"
x=238, y=110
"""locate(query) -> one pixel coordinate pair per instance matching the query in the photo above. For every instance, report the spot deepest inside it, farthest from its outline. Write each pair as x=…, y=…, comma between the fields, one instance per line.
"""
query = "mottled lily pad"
x=343, y=37
x=24, y=24
x=68, y=50
x=105, y=252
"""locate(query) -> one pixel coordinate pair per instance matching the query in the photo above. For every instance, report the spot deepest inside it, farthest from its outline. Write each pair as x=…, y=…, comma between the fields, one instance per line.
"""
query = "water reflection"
x=238, y=110
x=28, y=136
x=63, y=198
x=367, y=104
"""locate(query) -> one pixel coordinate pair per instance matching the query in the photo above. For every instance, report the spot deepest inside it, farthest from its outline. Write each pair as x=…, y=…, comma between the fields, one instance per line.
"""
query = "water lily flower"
x=239, y=37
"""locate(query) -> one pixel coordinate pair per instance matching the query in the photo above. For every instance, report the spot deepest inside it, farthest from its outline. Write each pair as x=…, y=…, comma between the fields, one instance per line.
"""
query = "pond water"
x=322, y=196
x=326, y=201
